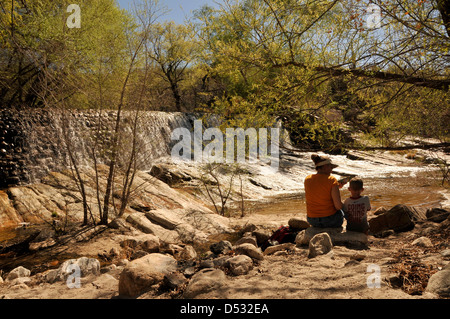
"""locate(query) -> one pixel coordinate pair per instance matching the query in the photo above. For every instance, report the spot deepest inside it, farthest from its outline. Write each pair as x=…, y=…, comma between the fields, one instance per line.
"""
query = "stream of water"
x=419, y=189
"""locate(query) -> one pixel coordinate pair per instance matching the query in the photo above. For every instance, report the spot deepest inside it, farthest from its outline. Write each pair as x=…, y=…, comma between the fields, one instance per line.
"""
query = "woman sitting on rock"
x=323, y=199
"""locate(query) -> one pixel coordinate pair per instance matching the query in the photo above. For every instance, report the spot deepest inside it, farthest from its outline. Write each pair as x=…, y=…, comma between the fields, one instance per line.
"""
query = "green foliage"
x=416, y=112
x=45, y=62
x=307, y=59
x=173, y=49
x=316, y=133
x=250, y=61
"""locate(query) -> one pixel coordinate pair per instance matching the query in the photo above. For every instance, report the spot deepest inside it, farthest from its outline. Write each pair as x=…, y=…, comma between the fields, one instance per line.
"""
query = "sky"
x=179, y=9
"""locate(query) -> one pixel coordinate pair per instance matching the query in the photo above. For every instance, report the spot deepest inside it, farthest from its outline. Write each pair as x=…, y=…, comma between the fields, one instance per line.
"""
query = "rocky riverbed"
x=172, y=244
x=118, y=264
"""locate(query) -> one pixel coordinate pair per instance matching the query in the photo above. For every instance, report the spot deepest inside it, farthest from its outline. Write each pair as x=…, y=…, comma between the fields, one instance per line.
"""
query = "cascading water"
x=35, y=142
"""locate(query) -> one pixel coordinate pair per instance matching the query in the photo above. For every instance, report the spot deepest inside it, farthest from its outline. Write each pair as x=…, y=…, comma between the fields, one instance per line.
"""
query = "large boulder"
x=18, y=272
x=320, y=244
x=204, y=281
x=439, y=283
x=141, y=274
x=399, y=218
x=27, y=204
x=437, y=215
x=83, y=267
x=338, y=236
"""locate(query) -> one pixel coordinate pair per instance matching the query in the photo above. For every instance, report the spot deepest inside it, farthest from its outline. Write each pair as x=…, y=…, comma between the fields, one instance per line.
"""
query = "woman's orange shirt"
x=319, y=202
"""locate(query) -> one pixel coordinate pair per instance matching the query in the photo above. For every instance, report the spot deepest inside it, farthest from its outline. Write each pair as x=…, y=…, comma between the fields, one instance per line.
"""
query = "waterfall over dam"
x=34, y=142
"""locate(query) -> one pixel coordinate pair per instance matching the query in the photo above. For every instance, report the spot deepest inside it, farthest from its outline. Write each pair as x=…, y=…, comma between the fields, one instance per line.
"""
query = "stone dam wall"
x=34, y=142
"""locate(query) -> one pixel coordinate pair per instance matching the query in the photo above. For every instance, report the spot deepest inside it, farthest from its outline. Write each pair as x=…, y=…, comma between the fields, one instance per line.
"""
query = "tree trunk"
x=176, y=95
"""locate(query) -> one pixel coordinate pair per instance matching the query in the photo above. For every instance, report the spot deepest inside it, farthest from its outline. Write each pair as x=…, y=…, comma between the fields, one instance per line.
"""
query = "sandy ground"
x=341, y=274
x=287, y=276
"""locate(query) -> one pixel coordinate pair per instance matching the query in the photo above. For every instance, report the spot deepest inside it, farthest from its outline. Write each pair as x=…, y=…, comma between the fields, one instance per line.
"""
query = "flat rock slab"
x=338, y=236
x=141, y=222
x=139, y=275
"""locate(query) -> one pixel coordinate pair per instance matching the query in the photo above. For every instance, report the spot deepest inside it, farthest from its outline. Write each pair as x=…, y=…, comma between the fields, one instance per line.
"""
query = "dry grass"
x=410, y=266
x=413, y=273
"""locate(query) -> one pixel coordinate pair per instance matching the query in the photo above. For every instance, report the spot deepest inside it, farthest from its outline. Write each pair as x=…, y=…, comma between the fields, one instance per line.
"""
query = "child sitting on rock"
x=356, y=207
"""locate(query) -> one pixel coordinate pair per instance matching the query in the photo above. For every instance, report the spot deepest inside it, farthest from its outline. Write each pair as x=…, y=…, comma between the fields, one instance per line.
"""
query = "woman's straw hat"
x=322, y=160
